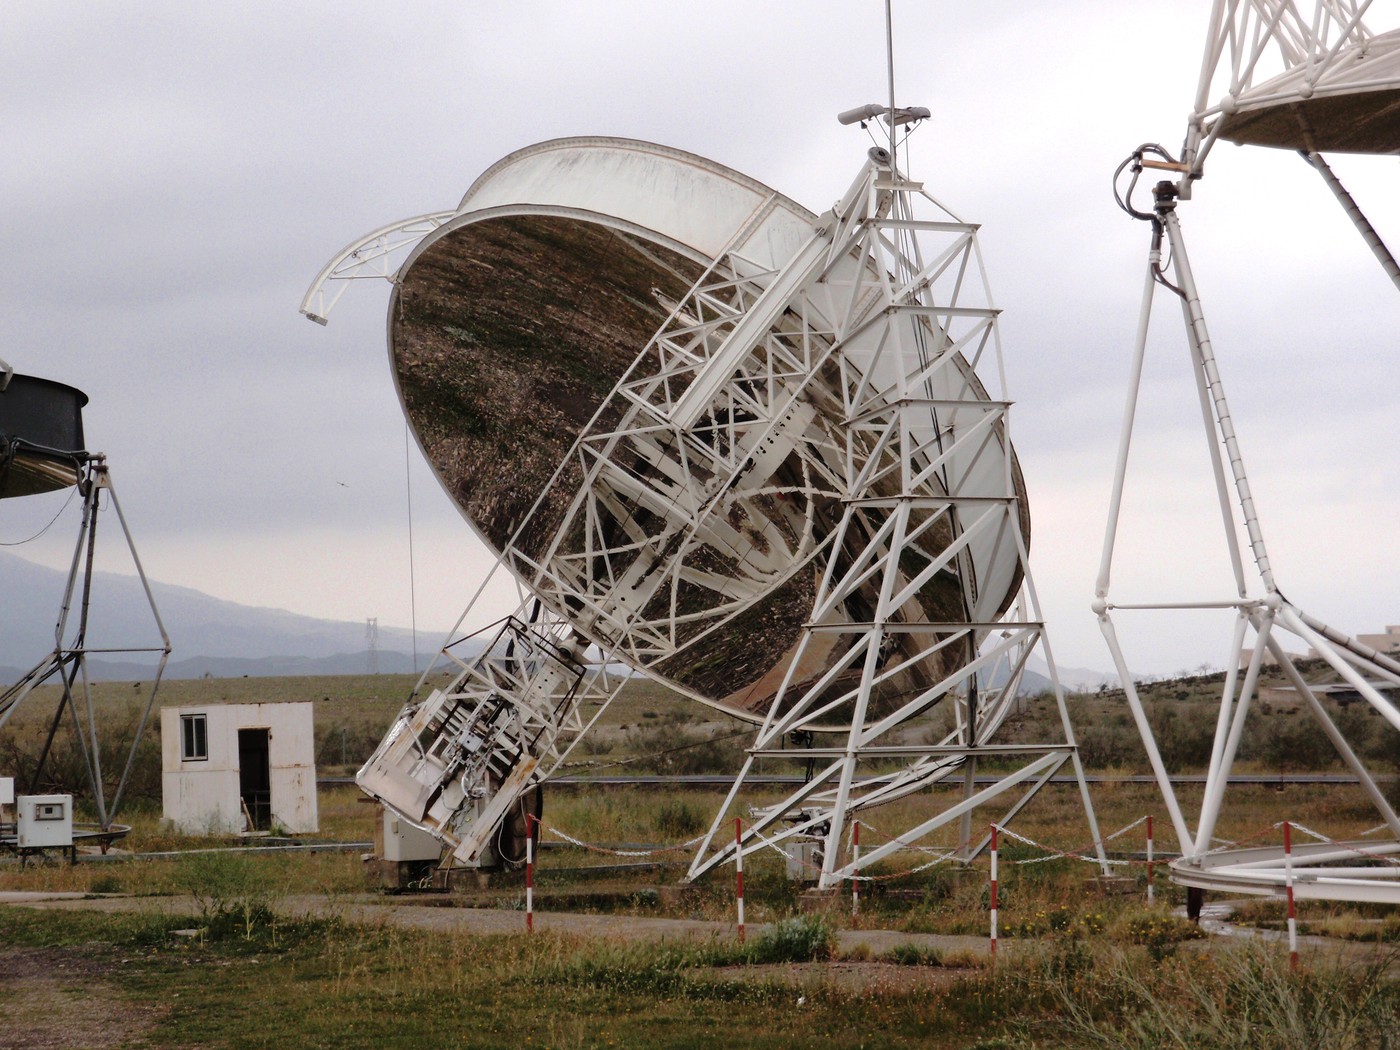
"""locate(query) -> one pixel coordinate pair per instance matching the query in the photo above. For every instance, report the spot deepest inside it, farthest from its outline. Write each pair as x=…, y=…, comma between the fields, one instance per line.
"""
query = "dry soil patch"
x=67, y=998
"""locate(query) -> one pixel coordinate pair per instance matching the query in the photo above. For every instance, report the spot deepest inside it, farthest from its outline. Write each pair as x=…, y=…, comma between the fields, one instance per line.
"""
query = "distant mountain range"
x=223, y=639
x=209, y=636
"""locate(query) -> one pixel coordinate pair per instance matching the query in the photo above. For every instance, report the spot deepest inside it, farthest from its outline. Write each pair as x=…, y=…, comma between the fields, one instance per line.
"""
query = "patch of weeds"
x=106, y=884
x=913, y=955
x=1158, y=931
x=233, y=896
x=677, y=818
x=801, y=938
x=1057, y=922
x=1244, y=997
x=659, y=972
x=28, y=927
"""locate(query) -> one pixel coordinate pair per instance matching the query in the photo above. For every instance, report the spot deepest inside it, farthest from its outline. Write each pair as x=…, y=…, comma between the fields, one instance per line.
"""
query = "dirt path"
x=67, y=999
x=437, y=913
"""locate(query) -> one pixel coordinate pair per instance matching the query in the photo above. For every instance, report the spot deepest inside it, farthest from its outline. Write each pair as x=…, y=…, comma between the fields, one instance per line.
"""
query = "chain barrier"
x=1225, y=847
x=944, y=856
x=808, y=866
x=1056, y=854
x=619, y=852
x=1392, y=861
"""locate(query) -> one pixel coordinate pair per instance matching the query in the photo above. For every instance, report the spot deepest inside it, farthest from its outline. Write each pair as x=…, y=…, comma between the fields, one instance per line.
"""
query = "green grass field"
x=1087, y=963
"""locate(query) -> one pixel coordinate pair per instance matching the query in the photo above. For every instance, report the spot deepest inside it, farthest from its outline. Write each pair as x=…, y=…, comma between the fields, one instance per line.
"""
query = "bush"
x=913, y=955
x=1108, y=744
x=232, y=894
x=1183, y=737
x=65, y=770
x=802, y=938
x=1288, y=740
x=347, y=745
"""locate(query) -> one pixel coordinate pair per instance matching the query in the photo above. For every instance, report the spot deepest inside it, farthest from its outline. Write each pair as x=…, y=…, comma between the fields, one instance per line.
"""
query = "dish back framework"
x=797, y=503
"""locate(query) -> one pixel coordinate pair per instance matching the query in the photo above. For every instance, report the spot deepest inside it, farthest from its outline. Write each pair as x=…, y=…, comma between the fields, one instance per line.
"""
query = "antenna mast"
x=889, y=65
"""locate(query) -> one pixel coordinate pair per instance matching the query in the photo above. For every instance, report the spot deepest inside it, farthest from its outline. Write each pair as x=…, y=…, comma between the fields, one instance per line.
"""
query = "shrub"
x=1183, y=738
x=1106, y=744
x=1293, y=741
x=801, y=938
x=232, y=894
x=65, y=770
x=913, y=955
x=1158, y=931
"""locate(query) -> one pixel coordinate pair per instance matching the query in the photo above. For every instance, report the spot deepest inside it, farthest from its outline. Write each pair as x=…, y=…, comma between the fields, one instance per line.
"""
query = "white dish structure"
x=735, y=445
x=1272, y=75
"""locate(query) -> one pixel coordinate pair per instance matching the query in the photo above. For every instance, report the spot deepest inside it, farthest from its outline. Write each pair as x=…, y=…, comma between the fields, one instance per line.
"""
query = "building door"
x=255, y=777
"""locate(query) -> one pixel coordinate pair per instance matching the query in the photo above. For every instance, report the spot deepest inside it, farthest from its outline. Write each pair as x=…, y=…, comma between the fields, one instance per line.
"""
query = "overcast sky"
x=175, y=174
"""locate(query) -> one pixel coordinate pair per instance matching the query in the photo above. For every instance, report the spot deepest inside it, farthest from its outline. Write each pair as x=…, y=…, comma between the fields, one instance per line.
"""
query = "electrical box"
x=404, y=840
x=45, y=821
x=804, y=860
x=7, y=791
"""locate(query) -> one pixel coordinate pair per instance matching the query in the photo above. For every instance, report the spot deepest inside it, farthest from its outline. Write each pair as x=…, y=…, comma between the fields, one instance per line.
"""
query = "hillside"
x=209, y=636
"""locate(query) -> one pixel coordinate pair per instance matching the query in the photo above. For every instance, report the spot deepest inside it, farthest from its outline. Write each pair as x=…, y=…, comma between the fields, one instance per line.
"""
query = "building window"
x=194, y=738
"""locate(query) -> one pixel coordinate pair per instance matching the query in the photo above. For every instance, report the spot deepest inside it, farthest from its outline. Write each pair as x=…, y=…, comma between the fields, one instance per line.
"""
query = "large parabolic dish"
x=518, y=330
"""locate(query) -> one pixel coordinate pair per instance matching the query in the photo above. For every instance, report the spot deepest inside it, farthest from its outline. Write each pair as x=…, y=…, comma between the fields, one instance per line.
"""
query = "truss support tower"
x=68, y=663
x=915, y=426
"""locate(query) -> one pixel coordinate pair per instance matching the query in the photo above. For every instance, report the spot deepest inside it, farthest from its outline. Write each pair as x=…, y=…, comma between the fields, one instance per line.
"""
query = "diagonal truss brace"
x=920, y=317
x=68, y=662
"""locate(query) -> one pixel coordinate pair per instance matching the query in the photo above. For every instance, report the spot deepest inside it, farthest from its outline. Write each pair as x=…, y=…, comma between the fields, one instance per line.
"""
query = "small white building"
x=239, y=767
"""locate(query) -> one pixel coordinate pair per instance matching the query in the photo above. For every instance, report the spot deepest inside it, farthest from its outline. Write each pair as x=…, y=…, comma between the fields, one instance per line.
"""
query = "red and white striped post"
x=1149, y=861
x=529, y=873
x=739, y=871
x=994, y=893
x=855, y=867
x=1288, y=883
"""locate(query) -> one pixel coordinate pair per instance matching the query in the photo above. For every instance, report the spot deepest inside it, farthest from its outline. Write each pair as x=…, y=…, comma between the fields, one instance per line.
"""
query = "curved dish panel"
x=510, y=330
x=1354, y=106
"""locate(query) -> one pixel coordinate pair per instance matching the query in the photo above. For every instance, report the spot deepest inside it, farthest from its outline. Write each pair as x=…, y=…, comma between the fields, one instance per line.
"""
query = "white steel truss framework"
x=72, y=647
x=1273, y=45
x=368, y=258
x=1249, y=41
x=1318, y=77
x=846, y=380
x=905, y=322
x=461, y=759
